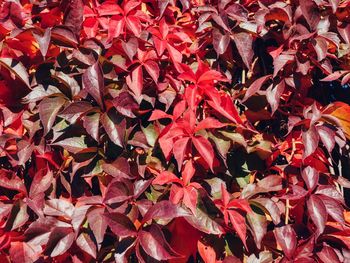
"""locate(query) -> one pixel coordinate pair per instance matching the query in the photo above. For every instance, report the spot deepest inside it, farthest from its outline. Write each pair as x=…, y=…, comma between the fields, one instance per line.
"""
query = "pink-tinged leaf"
x=239, y=224
x=166, y=177
x=86, y=244
x=318, y=213
x=190, y=197
x=287, y=239
x=59, y=207
x=311, y=12
x=125, y=104
x=164, y=210
x=60, y=240
x=334, y=208
x=17, y=68
x=41, y=182
x=91, y=123
x=119, y=190
x=74, y=110
x=180, y=148
x=330, y=191
x=153, y=242
x=115, y=27
x=48, y=110
x=120, y=168
x=131, y=47
x=310, y=141
x=258, y=226
x=134, y=25
x=158, y=114
x=203, y=222
x=18, y=216
x=327, y=137
x=135, y=81
x=321, y=47
x=281, y=61
x=120, y=224
x=131, y=5
x=310, y=176
x=328, y=254
x=255, y=87
x=10, y=180
x=152, y=69
x=205, y=149
x=93, y=82
x=73, y=17
x=97, y=223
x=273, y=95
x=237, y=12
x=335, y=75
x=244, y=44
x=73, y=145
x=271, y=208
x=209, y=123
x=114, y=130
x=22, y=252
x=43, y=40
x=220, y=41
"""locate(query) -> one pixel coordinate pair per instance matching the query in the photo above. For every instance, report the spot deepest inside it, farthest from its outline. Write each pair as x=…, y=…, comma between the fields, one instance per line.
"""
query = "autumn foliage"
x=174, y=130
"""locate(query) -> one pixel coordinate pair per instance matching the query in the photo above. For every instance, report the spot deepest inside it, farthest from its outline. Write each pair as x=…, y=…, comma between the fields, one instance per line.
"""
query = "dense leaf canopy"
x=174, y=130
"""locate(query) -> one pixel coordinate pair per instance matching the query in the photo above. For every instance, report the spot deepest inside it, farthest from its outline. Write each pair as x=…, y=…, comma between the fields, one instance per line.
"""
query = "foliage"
x=174, y=130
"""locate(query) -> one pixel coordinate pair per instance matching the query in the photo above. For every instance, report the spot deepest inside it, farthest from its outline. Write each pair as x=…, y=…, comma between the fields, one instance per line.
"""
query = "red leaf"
x=239, y=224
x=205, y=149
x=317, y=212
x=93, y=82
x=207, y=253
x=120, y=224
x=155, y=245
x=287, y=239
x=60, y=240
x=244, y=44
x=48, y=110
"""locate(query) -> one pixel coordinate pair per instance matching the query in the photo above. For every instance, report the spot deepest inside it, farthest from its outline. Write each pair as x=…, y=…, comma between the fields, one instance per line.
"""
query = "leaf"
x=164, y=210
x=73, y=145
x=93, y=82
x=73, y=17
x=287, y=239
x=43, y=40
x=154, y=244
x=310, y=176
x=9, y=180
x=207, y=253
x=317, y=212
x=220, y=41
x=205, y=149
x=273, y=95
x=86, y=244
x=204, y=223
x=258, y=225
x=180, y=149
x=41, y=182
x=48, y=110
x=60, y=240
x=22, y=252
x=17, y=68
x=244, y=44
x=311, y=12
x=341, y=111
x=255, y=87
x=310, y=141
x=115, y=131
x=120, y=224
x=239, y=224
x=97, y=223
x=91, y=123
